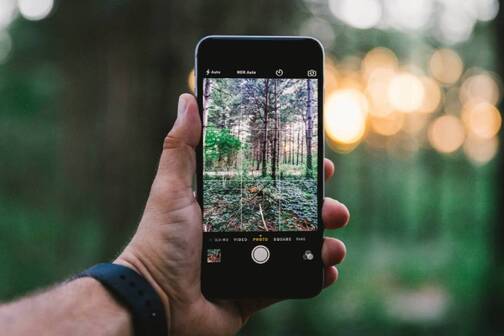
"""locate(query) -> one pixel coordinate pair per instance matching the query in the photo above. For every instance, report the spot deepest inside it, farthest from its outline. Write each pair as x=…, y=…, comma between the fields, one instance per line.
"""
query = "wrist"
x=131, y=261
x=100, y=306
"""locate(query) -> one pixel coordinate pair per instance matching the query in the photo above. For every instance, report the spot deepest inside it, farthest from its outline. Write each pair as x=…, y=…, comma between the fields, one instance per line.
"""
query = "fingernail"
x=182, y=105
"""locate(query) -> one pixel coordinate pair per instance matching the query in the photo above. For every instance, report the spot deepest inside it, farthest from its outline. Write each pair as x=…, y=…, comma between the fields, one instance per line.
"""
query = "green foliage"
x=220, y=144
x=236, y=204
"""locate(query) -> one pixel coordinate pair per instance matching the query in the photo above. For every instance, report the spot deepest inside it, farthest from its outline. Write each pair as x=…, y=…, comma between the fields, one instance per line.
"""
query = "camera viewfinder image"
x=213, y=256
x=260, y=154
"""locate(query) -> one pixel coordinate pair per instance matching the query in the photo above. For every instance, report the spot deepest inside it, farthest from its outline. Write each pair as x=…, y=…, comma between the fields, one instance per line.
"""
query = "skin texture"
x=166, y=250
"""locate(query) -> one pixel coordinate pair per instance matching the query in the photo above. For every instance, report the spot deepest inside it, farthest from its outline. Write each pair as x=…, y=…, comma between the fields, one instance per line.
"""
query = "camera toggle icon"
x=311, y=73
x=308, y=255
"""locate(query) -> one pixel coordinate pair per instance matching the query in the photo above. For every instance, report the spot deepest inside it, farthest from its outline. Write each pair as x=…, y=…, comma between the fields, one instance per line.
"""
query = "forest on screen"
x=260, y=154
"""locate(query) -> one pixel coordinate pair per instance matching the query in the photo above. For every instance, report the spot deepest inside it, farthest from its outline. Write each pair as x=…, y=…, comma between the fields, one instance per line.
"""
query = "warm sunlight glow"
x=432, y=97
x=330, y=75
x=446, y=134
x=377, y=90
x=191, y=81
x=481, y=151
x=406, y=92
x=387, y=125
x=415, y=123
x=481, y=87
x=446, y=66
x=378, y=58
x=482, y=119
x=345, y=116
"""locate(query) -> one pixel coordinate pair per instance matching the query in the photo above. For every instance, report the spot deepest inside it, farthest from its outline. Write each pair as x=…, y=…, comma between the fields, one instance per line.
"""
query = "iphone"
x=260, y=165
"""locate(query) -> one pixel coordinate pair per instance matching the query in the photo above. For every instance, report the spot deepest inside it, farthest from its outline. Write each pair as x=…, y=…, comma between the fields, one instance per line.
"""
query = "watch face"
x=260, y=165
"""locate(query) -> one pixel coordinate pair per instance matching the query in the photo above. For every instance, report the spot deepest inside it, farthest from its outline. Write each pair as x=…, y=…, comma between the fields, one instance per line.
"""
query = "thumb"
x=178, y=159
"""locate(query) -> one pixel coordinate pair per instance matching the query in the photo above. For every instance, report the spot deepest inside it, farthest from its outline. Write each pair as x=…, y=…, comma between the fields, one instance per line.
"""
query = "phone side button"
x=260, y=254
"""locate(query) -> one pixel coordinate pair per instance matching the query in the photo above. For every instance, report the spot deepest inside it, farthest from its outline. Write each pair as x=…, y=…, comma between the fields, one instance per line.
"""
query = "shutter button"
x=260, y=254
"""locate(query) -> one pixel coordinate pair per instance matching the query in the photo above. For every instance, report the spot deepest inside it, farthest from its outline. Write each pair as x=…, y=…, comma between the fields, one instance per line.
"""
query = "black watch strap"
x=134, y=292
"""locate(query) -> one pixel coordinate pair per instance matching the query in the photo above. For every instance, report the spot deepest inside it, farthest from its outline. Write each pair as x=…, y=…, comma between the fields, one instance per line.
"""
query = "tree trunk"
x=309, y=129
x=258, y=149
x=285, y=148
x=297, y=148
x=302, y=145
x=206, y=96
x=274, y=153
x=265, y=137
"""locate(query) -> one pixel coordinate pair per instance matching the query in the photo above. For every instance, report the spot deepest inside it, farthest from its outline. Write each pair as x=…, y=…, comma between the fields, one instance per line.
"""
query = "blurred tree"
x=491, y=315
x=124, y=64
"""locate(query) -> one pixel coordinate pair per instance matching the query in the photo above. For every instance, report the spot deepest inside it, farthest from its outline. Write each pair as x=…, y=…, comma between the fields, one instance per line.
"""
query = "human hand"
x=166, y=249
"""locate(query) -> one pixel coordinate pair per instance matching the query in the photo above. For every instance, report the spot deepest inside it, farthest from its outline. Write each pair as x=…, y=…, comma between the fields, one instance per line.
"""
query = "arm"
x=166, y=251
x=79, y=307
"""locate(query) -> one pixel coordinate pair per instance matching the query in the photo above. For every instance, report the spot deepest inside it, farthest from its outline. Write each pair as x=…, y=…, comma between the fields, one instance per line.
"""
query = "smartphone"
x=260, y=165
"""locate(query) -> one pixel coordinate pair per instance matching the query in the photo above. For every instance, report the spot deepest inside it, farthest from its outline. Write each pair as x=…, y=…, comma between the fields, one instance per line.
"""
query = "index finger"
x=328, y=169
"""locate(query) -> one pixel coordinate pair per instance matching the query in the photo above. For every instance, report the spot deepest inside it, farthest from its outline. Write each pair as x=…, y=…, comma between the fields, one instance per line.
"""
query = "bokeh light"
x=482, y=119
x=387, y=125
x=362, y=14
x=408, y=15
x=481, y=151
x=8, y=12
x=406, y=92
x=35, y=9
x=485, y=10
x=455, y=25
x=446, y=66
x=330, y=75
x=446, y=134
x=191, y=81
x=345, y=117
x=377, y=90
x=378, y=58
x=415, y=123
x=432, y=95
x=480, y=87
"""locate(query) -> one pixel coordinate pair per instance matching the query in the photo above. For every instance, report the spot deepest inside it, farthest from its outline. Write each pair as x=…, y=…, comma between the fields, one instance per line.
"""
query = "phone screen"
x=260, y=176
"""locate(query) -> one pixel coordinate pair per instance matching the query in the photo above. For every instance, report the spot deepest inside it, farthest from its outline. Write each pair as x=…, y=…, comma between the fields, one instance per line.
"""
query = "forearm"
x=79, y=307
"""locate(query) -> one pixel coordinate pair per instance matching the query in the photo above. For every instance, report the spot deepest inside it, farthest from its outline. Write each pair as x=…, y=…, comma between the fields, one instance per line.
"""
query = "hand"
x=166, y=248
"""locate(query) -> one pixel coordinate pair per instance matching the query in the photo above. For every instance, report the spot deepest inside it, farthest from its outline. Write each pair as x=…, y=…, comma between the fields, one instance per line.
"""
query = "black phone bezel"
x=294, y=54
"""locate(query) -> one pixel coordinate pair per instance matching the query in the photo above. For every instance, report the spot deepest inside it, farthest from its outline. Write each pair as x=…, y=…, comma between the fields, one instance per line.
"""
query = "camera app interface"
x=260, y=155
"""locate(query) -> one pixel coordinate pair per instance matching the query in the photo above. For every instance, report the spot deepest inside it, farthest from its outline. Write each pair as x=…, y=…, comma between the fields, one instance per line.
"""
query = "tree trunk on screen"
x=265, y=130
x=274, y=146
x=206, y=96
x=309, y=129
x=302, y=145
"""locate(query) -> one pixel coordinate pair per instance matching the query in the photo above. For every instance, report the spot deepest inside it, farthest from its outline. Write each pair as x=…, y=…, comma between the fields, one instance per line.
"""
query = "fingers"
x=334, y=214
x=330, y=276
x=333, y=251
x=178, y=160
x=187, y=127
x=328, y=169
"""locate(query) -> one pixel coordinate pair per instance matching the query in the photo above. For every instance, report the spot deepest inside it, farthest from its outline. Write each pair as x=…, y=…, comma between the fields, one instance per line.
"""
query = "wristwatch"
x=135, y=293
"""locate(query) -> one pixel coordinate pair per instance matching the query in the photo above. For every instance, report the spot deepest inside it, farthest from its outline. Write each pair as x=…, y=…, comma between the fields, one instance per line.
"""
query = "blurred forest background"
x=88, y=90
